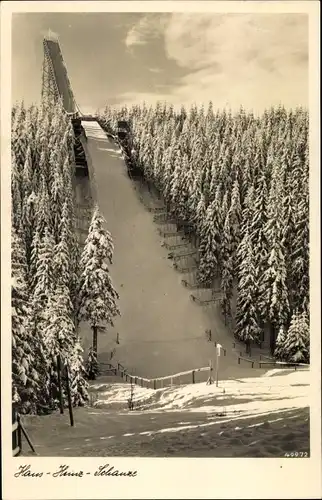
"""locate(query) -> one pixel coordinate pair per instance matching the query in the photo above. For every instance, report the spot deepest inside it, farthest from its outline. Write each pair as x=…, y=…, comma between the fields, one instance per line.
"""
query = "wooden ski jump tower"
x=56, y=86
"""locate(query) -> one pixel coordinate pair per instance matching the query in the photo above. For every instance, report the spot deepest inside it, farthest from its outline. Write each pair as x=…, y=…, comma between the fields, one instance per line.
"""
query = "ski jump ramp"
x=55, y=72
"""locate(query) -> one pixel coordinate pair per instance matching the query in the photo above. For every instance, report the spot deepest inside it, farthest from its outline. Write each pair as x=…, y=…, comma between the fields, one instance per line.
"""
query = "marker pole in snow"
x=218, y=349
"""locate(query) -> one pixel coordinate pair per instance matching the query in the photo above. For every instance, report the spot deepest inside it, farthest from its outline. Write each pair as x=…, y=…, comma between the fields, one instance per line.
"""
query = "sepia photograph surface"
x=160, y=237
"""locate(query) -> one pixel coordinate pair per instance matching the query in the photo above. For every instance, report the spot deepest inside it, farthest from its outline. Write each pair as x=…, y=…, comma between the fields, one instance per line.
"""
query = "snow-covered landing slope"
x=250, y=396
x=268, y=416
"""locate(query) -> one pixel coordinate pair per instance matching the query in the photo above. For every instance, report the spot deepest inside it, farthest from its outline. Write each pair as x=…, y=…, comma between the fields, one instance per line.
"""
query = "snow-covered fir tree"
x=92, y=367
x=24, y=375
x=296, y=345
x=77, y=375
x=279, y=352
x=209, y=247
x=273, y=293
x=97, y=295
x=247, y=327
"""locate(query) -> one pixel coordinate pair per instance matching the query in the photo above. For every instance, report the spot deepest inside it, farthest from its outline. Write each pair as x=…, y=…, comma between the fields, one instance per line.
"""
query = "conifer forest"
x=54, y=284
x=239, y=181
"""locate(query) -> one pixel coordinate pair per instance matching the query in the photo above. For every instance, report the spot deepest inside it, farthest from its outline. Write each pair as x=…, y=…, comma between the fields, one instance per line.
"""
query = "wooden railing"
x=154, y=381
x=16, y=434
x=285, y=364
x=121, y=371
x=246, y=359
x=203, y=302
x=264, y=360
x=17, y=431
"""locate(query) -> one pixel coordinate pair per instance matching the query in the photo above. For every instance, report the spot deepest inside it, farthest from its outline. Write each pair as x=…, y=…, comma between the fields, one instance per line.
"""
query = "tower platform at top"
x=55, y=83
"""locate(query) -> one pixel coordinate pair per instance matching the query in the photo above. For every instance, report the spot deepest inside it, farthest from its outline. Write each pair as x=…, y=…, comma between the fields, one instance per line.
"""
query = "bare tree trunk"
x=59, y=370
x=95, y=339
x=272, y=338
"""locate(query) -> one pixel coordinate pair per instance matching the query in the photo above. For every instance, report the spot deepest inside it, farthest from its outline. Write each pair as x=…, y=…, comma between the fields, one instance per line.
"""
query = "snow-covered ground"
x=161, y=330
x=244, y=396
x=265, y=416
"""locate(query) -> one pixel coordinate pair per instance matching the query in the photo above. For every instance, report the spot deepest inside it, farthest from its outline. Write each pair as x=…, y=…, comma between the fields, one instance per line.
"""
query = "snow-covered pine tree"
x=235, y=216
x=34, y=251
x=305, y=329
x=187, y=210
x=300, y=257
x=229, y=245
x=18, y=138
x=24, y=375
x=273, y=294
x=175, y=185
x=92, y=367
x=185, y=184
x=223, y=167
x=209, y=247
x=275, y=277
x=206, y=175
x=279, y=352
x=258, y=222
x=44, y=279
x=196, y=214
x=58, y=334
x=28, y=222
x=248, y=211
x=77, y=373
x=200, y=216
x=296, y=345
x=247, y=328
x=172, y=157
x=63, y=249
x=44, y=215
x=214, y=177
x=146, y=156
x=28, y=355
x=227, y=270
x=97, y=295
x=43, y=282
x=74, y=275
x=57, y=198
x=157, y=163
x=27, y=174
x=16, y=195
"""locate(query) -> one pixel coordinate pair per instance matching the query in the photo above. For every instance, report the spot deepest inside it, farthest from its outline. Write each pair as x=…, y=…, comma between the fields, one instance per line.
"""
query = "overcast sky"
x=252, y=60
